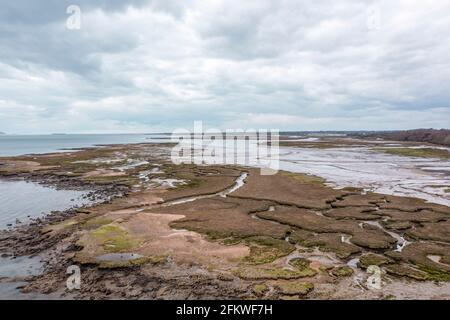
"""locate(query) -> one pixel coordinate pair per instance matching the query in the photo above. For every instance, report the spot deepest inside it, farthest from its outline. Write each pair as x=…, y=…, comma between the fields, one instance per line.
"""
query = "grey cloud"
x=26, y=12
x=147, y=65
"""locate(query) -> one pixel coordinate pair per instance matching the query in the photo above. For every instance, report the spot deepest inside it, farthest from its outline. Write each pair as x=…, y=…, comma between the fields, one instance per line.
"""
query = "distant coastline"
x=14, y=145
x=435, y=136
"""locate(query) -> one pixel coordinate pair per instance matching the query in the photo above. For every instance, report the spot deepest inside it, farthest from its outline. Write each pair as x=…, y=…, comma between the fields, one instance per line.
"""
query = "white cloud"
x=158, y=65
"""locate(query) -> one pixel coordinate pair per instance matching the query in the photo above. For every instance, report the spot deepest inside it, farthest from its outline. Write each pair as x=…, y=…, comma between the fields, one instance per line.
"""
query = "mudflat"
x=192, y=232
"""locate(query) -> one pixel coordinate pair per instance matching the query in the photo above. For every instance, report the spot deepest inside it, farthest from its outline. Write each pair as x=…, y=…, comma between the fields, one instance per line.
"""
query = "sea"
x=14, y=145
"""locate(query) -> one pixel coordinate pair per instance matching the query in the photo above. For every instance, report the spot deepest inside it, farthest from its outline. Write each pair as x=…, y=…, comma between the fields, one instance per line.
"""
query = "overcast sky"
x=149, y=66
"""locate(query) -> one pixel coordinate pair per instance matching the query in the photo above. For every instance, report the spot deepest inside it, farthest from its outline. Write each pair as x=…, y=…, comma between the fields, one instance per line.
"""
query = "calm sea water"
x=13, y=145
x=24, y=200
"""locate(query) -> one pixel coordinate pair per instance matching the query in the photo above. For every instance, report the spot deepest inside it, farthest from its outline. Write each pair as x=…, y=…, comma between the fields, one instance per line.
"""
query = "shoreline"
x=60, y=238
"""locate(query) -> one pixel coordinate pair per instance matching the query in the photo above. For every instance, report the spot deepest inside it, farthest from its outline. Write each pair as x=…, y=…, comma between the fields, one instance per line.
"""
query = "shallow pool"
x=24, y=200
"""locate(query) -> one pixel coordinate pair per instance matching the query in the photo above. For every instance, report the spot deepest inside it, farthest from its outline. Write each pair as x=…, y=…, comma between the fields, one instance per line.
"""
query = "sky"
x=134, y=66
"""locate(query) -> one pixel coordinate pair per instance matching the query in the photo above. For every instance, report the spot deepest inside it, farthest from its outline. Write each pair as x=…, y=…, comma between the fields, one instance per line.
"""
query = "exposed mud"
x=191, y=232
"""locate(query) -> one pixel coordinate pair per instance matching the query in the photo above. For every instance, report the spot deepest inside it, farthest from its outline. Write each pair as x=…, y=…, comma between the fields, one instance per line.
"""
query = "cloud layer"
x=147, y=66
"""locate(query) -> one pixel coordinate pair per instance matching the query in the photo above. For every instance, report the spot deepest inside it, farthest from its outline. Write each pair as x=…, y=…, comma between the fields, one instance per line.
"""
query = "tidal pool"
x=20, y=201
x=12, y=275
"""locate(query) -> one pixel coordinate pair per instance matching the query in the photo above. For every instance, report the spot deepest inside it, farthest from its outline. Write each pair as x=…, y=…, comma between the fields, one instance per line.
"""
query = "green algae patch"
x=260, y=289
x=416, y=152
x=97, y=222
x=265, y=250
x=302, y=265
x=248, y=273
x=211, y=235
x=435, y=274
x=299, y=263
x=293, y=288
x=342, y=271
x=303, y=178
x=406, y=271
x=372, y=259
x=65, y=225
x=114, y=238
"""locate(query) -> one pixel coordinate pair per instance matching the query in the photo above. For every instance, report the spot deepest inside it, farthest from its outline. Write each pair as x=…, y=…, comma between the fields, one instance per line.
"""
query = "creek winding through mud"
x=373, y=171
x=239, y=182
